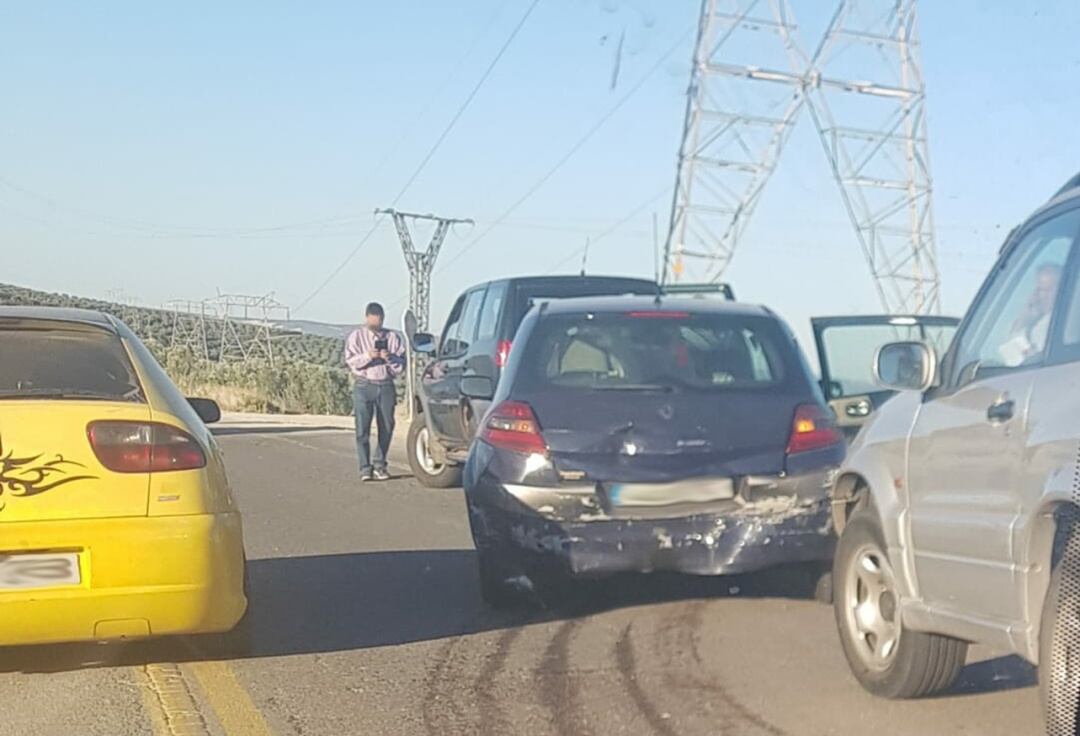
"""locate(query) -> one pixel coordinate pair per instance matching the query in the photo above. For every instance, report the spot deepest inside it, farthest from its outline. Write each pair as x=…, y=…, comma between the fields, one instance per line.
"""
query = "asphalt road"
x=367, y=620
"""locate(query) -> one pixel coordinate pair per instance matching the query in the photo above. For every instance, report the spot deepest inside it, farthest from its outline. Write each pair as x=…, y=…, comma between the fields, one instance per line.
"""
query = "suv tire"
x=886, y=658
x=1059, y=642
x=424, y=469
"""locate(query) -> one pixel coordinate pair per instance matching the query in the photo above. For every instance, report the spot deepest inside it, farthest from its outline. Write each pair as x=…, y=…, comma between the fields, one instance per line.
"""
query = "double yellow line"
x=174, y=710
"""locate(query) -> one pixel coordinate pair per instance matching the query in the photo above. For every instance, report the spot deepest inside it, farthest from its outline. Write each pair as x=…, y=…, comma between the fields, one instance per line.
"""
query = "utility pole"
x=126, y=308
x=189, y=326
x=749, y=82
x=420, y=263
x=746, y=90
x=874, y=133
x=247, y=325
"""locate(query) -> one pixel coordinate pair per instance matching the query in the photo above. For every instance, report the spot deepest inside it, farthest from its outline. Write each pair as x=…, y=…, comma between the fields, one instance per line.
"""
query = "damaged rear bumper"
x=791, y=524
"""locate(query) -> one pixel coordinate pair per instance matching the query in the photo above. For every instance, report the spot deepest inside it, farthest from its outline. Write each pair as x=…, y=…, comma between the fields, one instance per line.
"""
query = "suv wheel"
x=886, y=658
x=1059, y=642
x=423, y=465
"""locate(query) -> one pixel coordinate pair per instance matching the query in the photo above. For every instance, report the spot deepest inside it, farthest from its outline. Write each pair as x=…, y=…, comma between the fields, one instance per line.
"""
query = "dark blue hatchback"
x=639, y=434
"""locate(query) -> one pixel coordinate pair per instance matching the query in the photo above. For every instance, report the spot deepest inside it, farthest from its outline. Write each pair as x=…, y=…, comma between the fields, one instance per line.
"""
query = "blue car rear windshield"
x=656, y=351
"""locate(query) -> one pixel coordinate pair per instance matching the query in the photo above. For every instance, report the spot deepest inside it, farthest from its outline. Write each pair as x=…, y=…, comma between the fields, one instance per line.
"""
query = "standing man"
x=375, y=356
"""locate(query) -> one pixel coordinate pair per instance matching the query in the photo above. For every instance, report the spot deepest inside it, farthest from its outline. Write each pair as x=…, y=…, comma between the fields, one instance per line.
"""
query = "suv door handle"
x=1001, y=411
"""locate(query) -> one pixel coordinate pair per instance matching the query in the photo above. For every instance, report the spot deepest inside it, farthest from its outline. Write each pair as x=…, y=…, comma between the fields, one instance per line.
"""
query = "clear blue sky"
x=167, y=150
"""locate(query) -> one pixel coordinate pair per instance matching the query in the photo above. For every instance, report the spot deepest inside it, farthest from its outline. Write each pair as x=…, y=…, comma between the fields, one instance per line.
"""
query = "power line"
x=468, y=100
x=156, y=229
x=568, y=155
x=431, y=152
x=340, y=267
x=610, y=229
x=438, y=90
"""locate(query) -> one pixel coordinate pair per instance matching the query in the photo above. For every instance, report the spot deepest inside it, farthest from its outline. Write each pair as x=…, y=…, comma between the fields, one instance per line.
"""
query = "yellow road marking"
x=233, y=706
x=168, y=699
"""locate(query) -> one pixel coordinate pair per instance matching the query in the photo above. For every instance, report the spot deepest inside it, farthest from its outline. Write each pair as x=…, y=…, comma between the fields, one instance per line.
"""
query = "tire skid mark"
x=492, y=719
x=683, y=633
x=627, y=664
x=558, y=685
x=440, y=711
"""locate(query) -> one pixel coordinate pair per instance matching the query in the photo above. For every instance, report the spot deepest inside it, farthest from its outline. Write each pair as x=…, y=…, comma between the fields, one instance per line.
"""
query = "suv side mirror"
x=423, y=342
x=207, y=409
x=905, y=366
x=477, y=387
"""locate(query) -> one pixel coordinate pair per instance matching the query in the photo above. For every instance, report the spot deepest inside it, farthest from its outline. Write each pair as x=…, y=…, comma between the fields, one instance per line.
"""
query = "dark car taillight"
x=144, y=447
x=502, y=353
x=512, y=426
x=813, y=428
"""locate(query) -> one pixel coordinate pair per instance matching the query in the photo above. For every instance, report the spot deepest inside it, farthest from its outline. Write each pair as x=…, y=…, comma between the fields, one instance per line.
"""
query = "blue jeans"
x=373, y=400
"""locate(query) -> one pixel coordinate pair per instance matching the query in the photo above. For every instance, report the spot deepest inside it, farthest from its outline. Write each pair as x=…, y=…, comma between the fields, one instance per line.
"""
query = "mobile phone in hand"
x=382, y=344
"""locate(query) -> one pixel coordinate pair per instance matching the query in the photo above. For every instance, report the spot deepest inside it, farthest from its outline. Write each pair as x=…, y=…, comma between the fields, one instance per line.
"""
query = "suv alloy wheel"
x=886, y=658
x=423, y=465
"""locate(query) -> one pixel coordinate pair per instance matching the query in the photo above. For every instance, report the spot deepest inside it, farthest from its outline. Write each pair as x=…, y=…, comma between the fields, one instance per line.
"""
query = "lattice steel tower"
x=749, y=82
x=420, y=262
x=874, y=134
x=246, y=325
x=746, y=89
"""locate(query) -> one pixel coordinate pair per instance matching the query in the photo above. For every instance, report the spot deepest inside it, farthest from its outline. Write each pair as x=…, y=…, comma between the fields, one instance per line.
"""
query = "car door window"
x=458, y=343
x=1065, y=347
x=489, y=315
x=850, y=351
x=1009, y=327
x=453, y=326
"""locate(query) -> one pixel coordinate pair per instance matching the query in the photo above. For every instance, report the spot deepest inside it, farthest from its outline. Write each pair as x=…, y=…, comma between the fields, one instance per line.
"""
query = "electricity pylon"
x=746, y=89
x=246, y=325
x=189, y=326
x=227, y=327
x=874, y=134
x=420, y=263
x=750, y=81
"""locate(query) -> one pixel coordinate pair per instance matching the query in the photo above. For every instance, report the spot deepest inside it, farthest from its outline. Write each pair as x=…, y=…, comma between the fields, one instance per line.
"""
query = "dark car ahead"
x=639, y=434
x=476, y=342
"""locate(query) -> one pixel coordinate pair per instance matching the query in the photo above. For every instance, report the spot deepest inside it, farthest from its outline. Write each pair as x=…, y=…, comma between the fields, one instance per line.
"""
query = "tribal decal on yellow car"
x=29, y=476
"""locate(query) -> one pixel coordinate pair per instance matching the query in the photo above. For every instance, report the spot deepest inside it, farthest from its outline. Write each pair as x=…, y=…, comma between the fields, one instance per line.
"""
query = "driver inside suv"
x=1028, y=336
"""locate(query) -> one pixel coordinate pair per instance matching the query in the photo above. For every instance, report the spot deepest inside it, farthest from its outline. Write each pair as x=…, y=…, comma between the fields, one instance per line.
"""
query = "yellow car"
x=116, y=519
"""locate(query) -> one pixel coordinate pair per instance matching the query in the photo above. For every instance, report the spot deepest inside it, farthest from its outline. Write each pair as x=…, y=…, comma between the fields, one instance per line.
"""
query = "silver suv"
x=958, y=501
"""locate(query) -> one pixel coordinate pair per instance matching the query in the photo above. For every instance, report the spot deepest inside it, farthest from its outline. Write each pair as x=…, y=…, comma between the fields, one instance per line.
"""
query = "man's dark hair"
x=374, y=308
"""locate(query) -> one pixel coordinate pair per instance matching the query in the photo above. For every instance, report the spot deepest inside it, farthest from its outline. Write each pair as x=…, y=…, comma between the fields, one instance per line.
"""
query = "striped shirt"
x=358, y=347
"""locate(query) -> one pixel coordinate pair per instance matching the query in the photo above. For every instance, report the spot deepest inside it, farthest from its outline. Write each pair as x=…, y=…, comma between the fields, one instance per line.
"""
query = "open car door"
x=846, y=347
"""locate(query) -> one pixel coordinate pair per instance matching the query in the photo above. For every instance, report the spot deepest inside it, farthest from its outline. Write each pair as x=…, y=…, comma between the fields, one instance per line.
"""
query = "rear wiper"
x=653, y=387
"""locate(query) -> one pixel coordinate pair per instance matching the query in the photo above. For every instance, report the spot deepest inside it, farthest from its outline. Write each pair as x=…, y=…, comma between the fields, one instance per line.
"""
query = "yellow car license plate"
x=39, y=570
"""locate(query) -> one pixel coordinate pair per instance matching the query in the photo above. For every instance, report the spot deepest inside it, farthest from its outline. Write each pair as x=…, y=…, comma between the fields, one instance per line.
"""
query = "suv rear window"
x=678, y=351
x=529, y=294
x=50, y=360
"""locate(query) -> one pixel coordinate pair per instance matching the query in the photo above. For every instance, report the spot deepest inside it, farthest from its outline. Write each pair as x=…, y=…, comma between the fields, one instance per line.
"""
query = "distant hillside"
x=320, y=329
x=292, y=343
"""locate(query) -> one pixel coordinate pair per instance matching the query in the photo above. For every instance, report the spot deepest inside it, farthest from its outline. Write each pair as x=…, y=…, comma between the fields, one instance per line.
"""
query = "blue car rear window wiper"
x=656, y=387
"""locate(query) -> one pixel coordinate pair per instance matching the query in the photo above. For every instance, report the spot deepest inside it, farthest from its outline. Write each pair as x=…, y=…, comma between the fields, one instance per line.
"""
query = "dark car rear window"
x=699, y=352
x=56, y=361
x=529, y=294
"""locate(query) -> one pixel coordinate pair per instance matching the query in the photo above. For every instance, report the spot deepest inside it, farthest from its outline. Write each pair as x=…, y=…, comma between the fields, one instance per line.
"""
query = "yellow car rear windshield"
x=46, y=359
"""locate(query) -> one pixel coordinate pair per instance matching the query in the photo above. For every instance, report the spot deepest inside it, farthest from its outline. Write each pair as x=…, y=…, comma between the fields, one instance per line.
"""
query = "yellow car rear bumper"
x=141, y=576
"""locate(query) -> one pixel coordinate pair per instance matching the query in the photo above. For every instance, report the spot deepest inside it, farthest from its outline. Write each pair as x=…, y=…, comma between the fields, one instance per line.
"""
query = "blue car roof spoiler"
x=721, y=288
